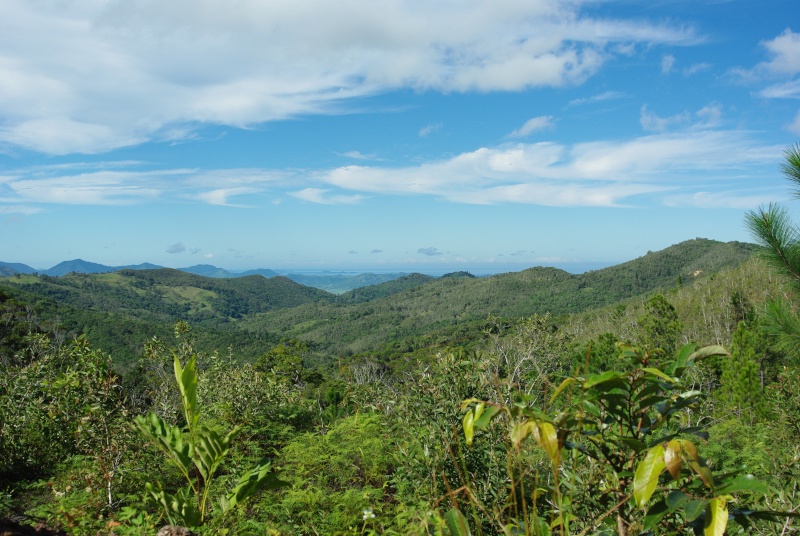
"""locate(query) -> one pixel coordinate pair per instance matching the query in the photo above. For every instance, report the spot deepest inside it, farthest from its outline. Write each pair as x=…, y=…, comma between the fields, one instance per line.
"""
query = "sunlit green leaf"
x=566, y=383
x=716, y=517
x=597, y=379
x=656, y=372
x=483, y=420
x=647, y=473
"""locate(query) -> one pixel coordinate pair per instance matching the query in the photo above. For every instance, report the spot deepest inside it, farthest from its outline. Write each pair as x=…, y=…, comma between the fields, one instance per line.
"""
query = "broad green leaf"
x=520, y=431
x=179, y=509
x=210, y=448
x=187, y=383
x=457, y=523
x=647, y=473
x=597, y=379
x=483, y=420
x=591, y=408
x=167, y=438
x=655, y=514
x=743, y=483
x=708, y=351
x=566, y=383
x=258, y=477
x=716, y=517
x=547, y=437
x=469, y=427
x=676, y=500
x=682, y=359
x=656, y=372
x=693, y=509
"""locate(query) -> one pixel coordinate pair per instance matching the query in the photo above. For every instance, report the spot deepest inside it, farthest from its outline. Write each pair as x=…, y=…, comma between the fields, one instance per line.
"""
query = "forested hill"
x=134, y=305
x=442, y=310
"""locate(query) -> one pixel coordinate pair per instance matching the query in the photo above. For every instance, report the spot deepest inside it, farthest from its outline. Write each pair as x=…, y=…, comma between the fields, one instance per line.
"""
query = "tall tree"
x=773, y=229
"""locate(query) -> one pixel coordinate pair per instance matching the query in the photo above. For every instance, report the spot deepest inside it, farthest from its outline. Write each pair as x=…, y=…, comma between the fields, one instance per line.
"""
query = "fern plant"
x=197, y=451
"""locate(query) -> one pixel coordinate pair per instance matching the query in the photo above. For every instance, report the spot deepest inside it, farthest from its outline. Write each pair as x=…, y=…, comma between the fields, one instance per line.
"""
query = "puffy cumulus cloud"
x=785, y=51
x=177, y=247
x=87, y=76
x=780, y=71
x=532, y=125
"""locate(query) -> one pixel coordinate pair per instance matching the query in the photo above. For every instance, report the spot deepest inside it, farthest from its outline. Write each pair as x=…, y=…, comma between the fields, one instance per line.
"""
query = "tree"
x=773, y=229
x=659, y=328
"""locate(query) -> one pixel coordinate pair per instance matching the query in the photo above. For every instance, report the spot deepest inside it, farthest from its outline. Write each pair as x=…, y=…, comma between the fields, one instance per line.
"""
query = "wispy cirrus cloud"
x=687, y=159
x=600, y=97
x=532, y=125
x=93, y=75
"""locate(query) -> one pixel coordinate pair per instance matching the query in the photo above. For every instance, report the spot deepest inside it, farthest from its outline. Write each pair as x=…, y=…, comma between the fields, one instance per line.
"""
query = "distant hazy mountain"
x=207, y=270
x=79, y=266
x=265, y=272
x=329, y=282
x=11, y=268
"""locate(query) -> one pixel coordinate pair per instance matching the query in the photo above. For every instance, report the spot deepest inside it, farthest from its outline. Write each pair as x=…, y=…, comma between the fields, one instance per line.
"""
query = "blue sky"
x=387, y=135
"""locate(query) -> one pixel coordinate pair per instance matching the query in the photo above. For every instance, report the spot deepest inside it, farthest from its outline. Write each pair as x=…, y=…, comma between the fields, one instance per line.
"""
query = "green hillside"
x=122, y=310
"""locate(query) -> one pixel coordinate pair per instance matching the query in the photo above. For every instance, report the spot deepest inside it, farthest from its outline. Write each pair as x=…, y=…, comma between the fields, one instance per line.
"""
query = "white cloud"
x=667, y=63
x=780, y=71
x=679, y=164
x=427, y=130
x=607, y=95
x=532, y=125
x=587, y=174
x=785, y=51
x=357, y=155
x=654, y=123
x=91, y=75
x=742, y=200
x=99, y=188
x=709, y=116
x=794, y=126
x=220, y=196
x=696, y=68
x=19, y=209
x=322, y=196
